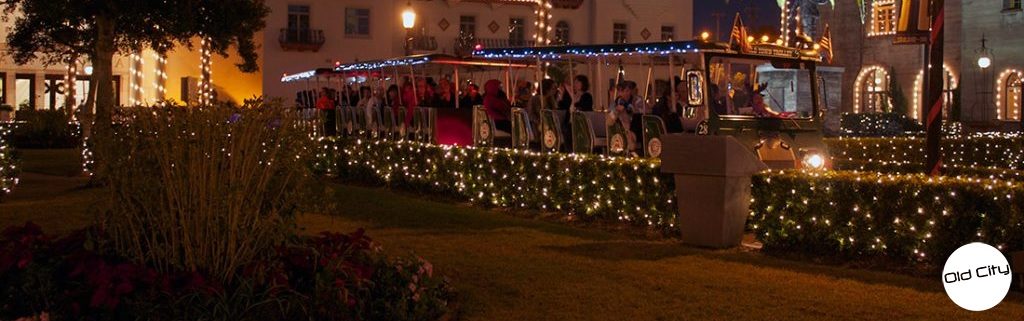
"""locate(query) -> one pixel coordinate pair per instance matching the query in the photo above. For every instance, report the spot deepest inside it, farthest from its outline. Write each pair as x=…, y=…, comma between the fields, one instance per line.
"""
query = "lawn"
x=511, y=268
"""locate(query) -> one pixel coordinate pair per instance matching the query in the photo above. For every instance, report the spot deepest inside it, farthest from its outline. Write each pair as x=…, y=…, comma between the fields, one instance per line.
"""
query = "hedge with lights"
x=8, y=168
x=595, y=187
x=909, y=217
x=877, y=124
x=966, y=152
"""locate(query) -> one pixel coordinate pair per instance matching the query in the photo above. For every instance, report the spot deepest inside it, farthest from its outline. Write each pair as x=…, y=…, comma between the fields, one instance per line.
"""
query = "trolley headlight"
x=814, y=160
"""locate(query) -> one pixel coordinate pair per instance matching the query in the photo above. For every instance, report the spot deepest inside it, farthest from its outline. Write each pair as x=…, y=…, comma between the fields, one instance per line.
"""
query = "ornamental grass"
x=204, y=188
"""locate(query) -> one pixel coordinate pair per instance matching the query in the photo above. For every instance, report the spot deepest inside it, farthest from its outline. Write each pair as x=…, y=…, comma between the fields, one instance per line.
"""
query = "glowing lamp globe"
x=984, y=62
x=409, y=18
x=705, y=35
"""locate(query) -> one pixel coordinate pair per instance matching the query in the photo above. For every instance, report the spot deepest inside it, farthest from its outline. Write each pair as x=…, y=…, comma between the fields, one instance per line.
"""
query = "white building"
x=306, y=34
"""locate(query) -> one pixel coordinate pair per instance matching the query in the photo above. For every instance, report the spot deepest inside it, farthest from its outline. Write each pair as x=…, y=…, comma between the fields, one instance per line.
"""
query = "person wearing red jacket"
x=498, y=108
x=325, y=104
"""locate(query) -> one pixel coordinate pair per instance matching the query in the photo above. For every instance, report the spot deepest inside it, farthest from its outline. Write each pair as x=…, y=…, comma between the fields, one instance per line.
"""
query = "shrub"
x=45, y=129
x=906, y=217
x=988, y=150
x=328, y=277
x=8, y=165
x=589, y=186
x=878, y=124
x=206, y=188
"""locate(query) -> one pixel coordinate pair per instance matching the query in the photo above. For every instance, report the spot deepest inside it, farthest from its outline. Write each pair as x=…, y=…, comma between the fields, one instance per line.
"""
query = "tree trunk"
x=102, y=77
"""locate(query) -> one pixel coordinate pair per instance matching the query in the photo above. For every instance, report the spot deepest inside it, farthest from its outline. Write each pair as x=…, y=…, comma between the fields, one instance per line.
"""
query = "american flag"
x=739, y=34
x=826, y=44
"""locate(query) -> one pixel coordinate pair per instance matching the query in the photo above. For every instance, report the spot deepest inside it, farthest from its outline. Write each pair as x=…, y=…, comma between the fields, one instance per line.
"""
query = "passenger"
x=325, y=104
x=369, y=100
x=445, y=97
x=523, y=93
x=670, y=112
x=717, y=100
x=579, y=97
x=546, y=94
x=472, y=97
x=409, y=102
x=393, y=97
x=629, y=110
x=424, y=92
x=498, y=107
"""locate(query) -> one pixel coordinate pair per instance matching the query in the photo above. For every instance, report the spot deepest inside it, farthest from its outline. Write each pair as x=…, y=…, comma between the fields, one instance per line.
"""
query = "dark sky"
x=759, y=15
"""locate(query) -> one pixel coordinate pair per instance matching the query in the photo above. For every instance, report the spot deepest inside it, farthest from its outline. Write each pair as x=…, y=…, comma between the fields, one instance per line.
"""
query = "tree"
x=54, y=31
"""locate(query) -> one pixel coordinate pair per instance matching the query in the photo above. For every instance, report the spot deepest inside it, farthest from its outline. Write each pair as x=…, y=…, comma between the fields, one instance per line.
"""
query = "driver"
x=762, y=109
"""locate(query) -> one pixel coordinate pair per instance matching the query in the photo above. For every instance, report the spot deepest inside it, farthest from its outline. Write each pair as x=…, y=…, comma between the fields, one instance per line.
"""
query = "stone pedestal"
x=712, y=175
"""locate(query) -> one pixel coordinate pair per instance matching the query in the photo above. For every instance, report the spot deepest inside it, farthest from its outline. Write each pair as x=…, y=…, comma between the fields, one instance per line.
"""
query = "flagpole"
x=934, y=84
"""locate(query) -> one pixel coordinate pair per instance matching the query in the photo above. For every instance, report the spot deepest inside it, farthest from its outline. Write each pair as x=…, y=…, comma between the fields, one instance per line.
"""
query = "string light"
x=8, y=168
x=206, y=71
x=160, y=76
x=135, y=82
x=875, y=29
x=543, y=23
x=1000, y=91
x=859, y=83
x=69, y=86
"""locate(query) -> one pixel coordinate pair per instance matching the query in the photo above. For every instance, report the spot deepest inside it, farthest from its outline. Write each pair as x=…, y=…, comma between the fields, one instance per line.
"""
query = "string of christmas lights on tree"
x=542, y=37
x=206, y=71
x=8, y=168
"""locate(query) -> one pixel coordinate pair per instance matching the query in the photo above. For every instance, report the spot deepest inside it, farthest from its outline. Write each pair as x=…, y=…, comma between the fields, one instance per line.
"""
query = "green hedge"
x=910, y=217
x=878, y=124
x=8, y=169
x=975, y=155
x=588, y=186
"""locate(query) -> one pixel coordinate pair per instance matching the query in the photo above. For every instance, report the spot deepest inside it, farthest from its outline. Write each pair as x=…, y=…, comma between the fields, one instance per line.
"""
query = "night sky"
x=760, y=16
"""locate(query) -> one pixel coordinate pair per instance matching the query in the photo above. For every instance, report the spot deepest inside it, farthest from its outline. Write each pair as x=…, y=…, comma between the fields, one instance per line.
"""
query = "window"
x=883, y=18
x=1009, y=107
x=54, y=90
x=562, y=33
x=298, y=24
x=298, y=17
x=516, y=32
x=1012, y=4
x=24, y=91
x=620, y=33
x=357, y=22
x=873, y=91
x=467, y=26
x=668, y=33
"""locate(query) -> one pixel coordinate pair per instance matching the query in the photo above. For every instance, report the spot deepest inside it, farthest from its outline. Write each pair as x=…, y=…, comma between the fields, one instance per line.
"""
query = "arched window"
x=1008, y=100
x=871, y=93
x=562, y=33
x=949, y=85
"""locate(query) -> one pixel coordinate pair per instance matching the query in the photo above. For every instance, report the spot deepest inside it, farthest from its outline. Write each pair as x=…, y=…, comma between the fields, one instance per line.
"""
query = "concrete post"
x=712, y=176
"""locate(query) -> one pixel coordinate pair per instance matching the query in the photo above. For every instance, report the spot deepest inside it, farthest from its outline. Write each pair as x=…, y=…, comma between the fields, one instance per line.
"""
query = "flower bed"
x=328, y=277
x=595, y=187
x=911, y=217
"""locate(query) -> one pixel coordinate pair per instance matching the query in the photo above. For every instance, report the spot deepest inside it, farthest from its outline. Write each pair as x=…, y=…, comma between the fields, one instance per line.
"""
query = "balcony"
x=301, y=39
x=424, y=44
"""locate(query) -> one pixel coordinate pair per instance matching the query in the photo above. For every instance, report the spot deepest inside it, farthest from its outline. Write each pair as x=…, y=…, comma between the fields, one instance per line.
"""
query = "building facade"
x=883, y=77
x=306, y=34
x=302, y=35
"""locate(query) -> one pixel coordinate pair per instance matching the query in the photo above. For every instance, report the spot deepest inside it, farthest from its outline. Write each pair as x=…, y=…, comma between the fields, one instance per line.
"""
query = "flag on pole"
x=739, y=34
x=826, y=44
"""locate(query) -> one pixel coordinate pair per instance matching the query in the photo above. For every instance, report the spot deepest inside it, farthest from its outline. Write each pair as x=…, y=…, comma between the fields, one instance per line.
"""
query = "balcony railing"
x=301, y=39
x=424, y=43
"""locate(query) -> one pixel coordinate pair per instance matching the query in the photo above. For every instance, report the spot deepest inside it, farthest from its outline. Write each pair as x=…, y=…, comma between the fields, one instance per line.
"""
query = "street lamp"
x=408, y=22
x=984, y=55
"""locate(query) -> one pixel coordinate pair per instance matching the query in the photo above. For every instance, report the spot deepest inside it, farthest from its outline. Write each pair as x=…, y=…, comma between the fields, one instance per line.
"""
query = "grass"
x=510, y=268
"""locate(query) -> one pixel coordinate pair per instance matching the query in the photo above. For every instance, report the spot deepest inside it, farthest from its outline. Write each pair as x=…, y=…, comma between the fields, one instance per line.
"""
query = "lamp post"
x=408, y=22
x=983, y=87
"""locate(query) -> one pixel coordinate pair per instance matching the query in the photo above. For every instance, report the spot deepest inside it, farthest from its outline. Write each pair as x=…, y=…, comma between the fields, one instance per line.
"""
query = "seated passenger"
x=762, y=110
x=671, y=113
x=497, y=106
